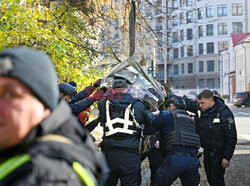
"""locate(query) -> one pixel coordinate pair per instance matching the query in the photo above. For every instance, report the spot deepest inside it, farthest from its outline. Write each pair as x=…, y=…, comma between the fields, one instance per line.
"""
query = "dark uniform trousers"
x=124, y=165
x=214, y=171
x=154, y=158
x=185, y=166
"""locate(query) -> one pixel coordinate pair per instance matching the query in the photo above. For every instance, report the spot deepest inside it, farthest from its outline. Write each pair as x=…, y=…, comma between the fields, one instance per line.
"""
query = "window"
x=210, y=66
x=200, y=13
x=237, y=9
x=189, y=2
x=189, y=34
x=210, y=83
x=222, y=45
x=189, y=17
x=175, y=37
x=222, y=29
x=176, y=53
x=200, y=31
x=210, y=48
x=210, y=30
x=189, y=50
x=181, y=3
x=222, y=10
x=182, y=51
x=181, y=35
x=176, y=69
x=190, y=68
x=209, y=11
x=182, y=68
x=237, y=27
x=182, y=18
x=201, y=48
x=175, y=4
x=175, y=20
x=201, y=83
x=201, y=66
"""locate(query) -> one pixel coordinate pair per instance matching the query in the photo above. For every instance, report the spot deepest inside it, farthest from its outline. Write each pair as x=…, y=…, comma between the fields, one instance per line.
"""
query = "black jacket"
x=215, y=126
x=82, y=101
x=51, y=159
x=123, y=141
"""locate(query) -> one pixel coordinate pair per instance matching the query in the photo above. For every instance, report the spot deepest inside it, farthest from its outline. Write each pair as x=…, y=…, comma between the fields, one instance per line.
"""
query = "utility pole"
x=132, y=21
x=165, y=62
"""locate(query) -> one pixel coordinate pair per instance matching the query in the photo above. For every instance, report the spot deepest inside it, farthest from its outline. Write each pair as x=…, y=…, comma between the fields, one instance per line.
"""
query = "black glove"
x=97, y=83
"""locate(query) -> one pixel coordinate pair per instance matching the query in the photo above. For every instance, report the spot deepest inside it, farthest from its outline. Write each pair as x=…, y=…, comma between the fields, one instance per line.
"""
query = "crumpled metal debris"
x=141, y=85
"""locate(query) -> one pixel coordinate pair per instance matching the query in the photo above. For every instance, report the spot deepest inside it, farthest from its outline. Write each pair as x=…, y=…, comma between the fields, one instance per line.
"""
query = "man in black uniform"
x=40, y=141
x=121, y=115
x=216, y=127
x=179, y=144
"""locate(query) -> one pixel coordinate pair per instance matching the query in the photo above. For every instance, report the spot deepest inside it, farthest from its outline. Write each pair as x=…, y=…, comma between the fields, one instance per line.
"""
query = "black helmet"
x=119, y=83
x=215, y=92
x=67, y=89
x=178, y=101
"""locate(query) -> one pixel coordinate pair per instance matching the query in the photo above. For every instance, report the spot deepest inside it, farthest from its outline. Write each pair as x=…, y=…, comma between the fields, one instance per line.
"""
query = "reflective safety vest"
x=128, y=126
x=14, y=162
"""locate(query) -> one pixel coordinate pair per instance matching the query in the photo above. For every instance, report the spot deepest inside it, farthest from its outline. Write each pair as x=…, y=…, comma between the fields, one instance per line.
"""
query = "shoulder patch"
x=230, y=120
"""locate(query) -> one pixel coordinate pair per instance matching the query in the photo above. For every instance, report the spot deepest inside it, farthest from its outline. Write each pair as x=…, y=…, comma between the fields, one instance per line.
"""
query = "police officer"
x=216, y=127
x=40, y=141
x=152, y=151
x=121, y=115
x=81, y=101
x=179, y=144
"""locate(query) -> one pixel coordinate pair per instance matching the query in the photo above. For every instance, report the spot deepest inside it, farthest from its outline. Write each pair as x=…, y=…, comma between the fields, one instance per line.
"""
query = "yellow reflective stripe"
x=82, y=173
x=12, y=163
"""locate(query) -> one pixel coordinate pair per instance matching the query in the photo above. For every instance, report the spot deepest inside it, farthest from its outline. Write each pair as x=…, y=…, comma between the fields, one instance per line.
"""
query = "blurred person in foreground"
x=40, y=141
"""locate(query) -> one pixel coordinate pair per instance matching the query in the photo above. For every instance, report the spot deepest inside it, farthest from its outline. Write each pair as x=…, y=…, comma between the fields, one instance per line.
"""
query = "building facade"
x=235, y=76
x=197, y=31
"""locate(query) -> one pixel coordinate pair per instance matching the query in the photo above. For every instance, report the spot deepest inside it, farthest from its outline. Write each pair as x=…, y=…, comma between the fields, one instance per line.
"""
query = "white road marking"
x=243, y=113
x=245, y=136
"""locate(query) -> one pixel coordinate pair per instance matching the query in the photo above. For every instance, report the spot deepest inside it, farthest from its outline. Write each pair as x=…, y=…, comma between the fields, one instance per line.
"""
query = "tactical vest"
x=210, y=130
x=125, y=125
x=184, y=133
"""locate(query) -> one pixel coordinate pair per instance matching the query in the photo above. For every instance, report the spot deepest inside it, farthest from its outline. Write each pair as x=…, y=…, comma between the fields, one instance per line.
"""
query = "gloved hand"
x=98, y=94
x=97, y=83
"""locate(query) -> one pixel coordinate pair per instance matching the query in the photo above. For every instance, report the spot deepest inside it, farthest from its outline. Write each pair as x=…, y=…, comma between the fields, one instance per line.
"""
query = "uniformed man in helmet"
x=121, y=115
x=216, y=127
x=179, y=144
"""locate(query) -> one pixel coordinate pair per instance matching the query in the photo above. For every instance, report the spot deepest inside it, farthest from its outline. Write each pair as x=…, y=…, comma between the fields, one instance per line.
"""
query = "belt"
x=182, y=154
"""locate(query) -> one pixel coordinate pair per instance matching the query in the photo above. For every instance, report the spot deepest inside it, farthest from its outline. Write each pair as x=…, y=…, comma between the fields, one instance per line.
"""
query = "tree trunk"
x=132, y=19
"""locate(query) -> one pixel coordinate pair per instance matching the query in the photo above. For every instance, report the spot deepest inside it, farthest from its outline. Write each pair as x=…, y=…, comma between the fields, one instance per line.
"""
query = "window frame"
x=201, y=64
x=190, y=51
x=210, y=11
x=208, y=29
x=222, y=10
x=201, y=44
x=190, y=70
x=237, y=9
x=224, y=29
x=189, y=36
x=210, y=66
x=237, y=27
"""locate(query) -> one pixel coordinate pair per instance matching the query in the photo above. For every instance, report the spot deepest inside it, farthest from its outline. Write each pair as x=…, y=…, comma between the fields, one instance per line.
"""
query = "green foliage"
x=225, y=96
x=57, y=28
